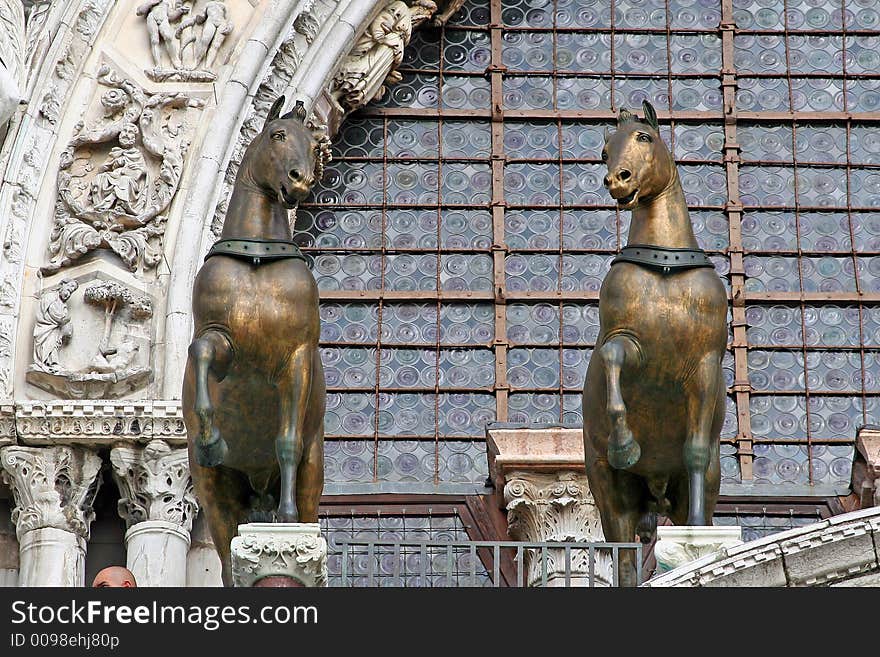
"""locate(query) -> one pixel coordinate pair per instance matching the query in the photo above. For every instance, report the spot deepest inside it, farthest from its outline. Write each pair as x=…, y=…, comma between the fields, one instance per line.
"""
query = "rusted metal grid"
x=729, y=159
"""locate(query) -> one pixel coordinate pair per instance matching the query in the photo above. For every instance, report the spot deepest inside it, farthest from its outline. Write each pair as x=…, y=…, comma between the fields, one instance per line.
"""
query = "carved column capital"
x=154, y=484
x=53, y=487
x=555, y=506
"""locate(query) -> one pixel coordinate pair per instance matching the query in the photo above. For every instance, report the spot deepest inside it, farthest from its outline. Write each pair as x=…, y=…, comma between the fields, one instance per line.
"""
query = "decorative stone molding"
x=12, y=53
x=832, y=552
x=548, y=498
x=154, y=484
x=295, y=551
x=53, y=487
x=99, y=423
x=680, y=545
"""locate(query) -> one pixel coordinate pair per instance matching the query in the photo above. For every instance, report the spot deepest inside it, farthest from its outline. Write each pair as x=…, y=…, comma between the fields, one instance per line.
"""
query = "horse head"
x=639, y=164
x=288, y=156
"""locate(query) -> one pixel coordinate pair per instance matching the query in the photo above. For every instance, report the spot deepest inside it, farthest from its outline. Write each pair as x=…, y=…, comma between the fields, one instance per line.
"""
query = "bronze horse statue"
x=254, y=392
x=654, y=393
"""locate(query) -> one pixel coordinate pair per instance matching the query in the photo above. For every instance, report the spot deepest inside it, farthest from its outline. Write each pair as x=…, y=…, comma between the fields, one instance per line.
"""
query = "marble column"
x=54, y=489
x=158, y=506
x=548, y=499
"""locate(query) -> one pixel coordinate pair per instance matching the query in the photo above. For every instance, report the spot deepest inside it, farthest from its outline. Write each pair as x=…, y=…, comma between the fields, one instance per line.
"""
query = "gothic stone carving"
x=52, y=487
x=117, y=364
x=7, y=423
x=550, y=508
x=187, y=34
x=99, y=423
x=154, y=484
x=866, y=469
x=12, y=53
x=288, y=550
x=115, y=199
x=372, y=63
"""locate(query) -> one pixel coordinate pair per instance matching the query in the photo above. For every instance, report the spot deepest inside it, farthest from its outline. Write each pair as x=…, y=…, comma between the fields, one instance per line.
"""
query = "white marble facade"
x=121, y=126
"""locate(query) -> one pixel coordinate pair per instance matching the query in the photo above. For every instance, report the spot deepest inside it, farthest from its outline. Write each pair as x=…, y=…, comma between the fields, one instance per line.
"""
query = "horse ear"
x=650, y=115
x=298, y=112
x=624, y=115
x=275, y=110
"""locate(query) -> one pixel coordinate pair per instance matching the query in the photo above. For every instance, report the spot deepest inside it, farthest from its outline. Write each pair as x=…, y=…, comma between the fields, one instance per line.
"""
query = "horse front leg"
x=619, y=351
x=702, y=395
x=210, y=355
x=294, y=392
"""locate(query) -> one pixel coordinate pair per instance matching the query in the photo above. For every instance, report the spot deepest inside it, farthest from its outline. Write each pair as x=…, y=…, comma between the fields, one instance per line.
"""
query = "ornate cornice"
x=154, y=484
x=52, y=487
x=98, y=422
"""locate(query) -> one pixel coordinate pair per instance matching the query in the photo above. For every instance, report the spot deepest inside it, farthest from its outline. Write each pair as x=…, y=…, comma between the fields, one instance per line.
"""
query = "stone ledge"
x=840, y=549
x=96, y=422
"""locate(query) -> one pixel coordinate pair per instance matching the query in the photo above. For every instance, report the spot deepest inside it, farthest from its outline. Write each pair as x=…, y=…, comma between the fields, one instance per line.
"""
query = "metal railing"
x=429, y=564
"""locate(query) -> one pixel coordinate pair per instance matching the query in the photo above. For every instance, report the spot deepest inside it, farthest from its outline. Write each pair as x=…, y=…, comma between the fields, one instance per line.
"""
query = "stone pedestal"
x=680, y=545
x=279, y=554
x=548, y=499
x=54, y=489
x=158, y=505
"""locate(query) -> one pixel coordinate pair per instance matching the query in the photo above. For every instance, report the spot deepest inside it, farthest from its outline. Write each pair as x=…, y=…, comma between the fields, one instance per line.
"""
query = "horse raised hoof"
x=212, y=453
x=624, y=455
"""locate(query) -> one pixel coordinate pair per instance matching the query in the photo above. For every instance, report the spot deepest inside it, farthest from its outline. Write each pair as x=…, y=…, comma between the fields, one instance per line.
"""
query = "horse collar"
x=666, y=260
x=256, y=250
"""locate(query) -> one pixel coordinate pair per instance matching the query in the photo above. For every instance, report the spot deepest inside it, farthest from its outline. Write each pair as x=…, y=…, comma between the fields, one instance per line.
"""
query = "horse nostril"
x=624, y=174
x=294, y=174
x=607, y=181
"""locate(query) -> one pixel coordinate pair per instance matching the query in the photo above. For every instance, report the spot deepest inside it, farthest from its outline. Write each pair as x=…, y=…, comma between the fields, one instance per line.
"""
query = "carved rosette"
x=154, y=484
x=551, y=507
x=52, y=487
x=295, y=550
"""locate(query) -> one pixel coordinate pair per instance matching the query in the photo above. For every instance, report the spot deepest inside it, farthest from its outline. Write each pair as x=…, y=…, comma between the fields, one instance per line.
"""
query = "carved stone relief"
x=116, y=198
x=92, y=338
x=12, y=38
x=185, y=38
x=371, y=65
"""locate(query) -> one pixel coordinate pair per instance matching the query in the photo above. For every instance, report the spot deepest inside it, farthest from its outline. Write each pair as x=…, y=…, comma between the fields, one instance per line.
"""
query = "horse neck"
x=253, y=213
x=664, y=220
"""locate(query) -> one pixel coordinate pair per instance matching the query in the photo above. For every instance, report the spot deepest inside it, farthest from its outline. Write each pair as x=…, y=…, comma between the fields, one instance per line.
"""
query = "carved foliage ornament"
x=116, y=199
x=52, y=487
x=255, y=557
x=154, y=484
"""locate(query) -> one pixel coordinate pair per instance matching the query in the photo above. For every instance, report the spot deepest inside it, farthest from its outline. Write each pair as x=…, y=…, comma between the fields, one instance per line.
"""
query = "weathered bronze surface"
x=253, y=393
x=654, y=394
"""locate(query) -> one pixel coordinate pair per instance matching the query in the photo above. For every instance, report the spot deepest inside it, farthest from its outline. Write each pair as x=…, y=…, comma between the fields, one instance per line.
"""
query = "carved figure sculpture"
x=654, y=393
x=159, y=15
x=372, y=62
x=122, y=180
x=216, y=26
x=52, y=328
x=253, y=391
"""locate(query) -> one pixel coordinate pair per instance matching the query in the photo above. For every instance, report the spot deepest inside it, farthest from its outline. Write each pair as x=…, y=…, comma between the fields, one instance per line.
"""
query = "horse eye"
x=279, y=136
x=643, y=137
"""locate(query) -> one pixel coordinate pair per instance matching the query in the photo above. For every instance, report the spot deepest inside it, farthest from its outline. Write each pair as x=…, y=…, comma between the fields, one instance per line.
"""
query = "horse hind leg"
x=623, y=450
x=294, y=392
x=210, y=355
x=702, y=396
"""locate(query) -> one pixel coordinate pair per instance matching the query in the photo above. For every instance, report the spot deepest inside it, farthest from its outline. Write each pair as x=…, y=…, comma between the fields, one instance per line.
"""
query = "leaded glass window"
x=462, y=232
